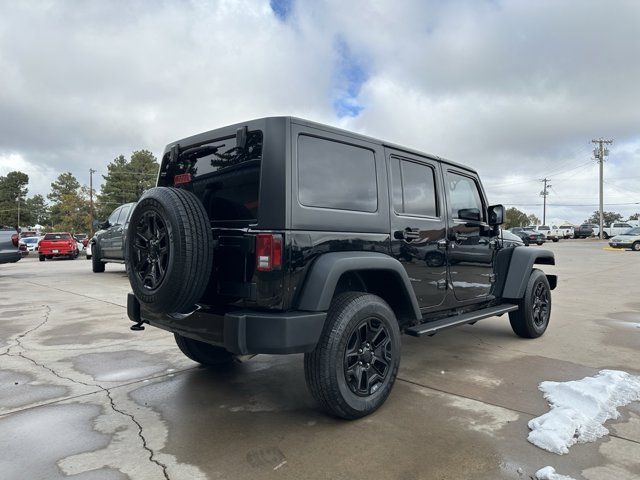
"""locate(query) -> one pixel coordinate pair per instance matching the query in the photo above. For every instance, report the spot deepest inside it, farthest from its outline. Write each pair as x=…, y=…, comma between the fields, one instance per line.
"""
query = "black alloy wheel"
x=368, y=356
x=150, y=258
x=169, y=250
x=534, y=309
x=353, y=367
x=541, y=304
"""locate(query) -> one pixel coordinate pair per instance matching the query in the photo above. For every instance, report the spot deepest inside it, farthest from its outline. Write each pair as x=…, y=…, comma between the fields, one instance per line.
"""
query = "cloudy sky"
x=517, y=89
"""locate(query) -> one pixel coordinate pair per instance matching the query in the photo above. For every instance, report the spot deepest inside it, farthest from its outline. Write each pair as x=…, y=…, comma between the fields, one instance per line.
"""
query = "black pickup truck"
x=281, y=236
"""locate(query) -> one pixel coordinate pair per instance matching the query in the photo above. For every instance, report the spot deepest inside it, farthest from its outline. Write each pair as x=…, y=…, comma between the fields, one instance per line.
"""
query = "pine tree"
x=69, y=204
x=126, y=180
x=13, y=189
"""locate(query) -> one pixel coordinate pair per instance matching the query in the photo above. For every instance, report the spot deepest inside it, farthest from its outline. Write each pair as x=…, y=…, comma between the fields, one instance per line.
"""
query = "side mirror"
x=496, y=215
x=472, y=214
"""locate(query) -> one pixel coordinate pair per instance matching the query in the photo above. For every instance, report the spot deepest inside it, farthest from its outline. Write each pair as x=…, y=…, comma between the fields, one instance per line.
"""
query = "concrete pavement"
x=81, y=395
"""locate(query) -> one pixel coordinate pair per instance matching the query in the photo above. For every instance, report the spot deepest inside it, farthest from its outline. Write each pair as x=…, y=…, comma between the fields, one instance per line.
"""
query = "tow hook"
x=137, y=327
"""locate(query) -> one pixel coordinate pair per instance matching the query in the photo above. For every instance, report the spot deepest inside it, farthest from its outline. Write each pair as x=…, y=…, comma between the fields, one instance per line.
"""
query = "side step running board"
x=431, y=328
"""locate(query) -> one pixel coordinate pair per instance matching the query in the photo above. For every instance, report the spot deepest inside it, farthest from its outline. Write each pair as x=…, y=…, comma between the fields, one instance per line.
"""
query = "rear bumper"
x=60, y=252
x=242, y=332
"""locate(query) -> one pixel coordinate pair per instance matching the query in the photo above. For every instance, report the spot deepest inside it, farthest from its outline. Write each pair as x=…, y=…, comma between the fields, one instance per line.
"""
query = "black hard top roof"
x=301, y=121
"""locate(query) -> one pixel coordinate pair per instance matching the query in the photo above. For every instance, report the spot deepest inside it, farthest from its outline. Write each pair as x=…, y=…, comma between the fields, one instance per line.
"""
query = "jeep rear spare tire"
x=169, y=250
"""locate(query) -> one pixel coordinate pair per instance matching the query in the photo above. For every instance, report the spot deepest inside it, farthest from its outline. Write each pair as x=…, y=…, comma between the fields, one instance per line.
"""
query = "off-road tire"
x=189, y=255
x=203, y=353
x=96, y=265
x=41, y=258
x=324, y=367
x=635, y=246
x=522, y=320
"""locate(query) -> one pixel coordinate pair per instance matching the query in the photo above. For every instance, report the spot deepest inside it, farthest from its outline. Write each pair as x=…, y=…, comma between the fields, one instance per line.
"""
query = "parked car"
x=509, y=239
x=549, y=234
x=584, y=231
x=28, y=233
x=629, y=239
x=9, y=245
x=82, y=238
x=285, y=236
x=528, y=236
x=616, y=228
x=87, y=251
x=108, y=244
x=31, y=243
x=567, y=231
x=58, y=244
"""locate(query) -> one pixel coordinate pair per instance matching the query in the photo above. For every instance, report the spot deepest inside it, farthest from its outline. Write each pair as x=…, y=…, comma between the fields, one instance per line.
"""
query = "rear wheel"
x=605, y=235
x=203, y=353
x=96, y=265
x=532, y=318
x=41, y=258
x=351, y=371
x=635, y=247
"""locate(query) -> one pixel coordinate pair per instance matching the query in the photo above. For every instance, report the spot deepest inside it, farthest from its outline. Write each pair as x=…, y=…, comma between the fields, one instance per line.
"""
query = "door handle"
x=407, y=234
x=442, y=243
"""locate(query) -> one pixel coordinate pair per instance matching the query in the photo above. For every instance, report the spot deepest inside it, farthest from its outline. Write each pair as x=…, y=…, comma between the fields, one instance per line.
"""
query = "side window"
x=336, y=175
x=124, y=213
x=464, y=195
x=413, y=188
x=113, y=218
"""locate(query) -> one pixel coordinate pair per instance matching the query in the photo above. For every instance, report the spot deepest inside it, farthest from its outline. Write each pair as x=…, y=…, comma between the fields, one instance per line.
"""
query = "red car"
x=60, y=244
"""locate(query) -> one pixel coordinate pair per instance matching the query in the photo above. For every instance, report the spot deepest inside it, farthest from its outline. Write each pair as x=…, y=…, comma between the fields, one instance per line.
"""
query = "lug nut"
x=359, y=350
x=367, y=365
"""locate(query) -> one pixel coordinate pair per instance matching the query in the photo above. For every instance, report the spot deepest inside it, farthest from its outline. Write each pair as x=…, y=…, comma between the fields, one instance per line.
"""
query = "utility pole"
x=545, y=193
x=91, y=214
x=600, y=152
x=18, y=200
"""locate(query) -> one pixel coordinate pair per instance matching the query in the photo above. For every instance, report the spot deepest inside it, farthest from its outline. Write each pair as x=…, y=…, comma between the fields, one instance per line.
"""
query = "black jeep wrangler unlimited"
x=280, y=236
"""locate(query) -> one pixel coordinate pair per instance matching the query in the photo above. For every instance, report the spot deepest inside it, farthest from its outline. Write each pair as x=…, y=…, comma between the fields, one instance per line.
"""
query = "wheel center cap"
x=367, y=356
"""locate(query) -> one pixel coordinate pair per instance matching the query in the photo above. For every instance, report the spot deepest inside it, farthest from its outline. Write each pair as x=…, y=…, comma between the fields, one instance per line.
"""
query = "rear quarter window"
x=336, y=175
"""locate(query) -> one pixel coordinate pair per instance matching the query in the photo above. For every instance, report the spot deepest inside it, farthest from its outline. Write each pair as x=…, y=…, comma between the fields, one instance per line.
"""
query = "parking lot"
x=81, y=395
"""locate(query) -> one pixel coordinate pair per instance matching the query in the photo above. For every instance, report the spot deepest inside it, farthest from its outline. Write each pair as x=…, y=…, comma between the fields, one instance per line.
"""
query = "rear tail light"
x=268, y=252
x=14, y=239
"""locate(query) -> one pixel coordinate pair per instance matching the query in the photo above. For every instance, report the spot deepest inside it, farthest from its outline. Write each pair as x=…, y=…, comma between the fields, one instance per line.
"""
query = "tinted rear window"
x=226, y=177
x=336, y=175
x=57, y=236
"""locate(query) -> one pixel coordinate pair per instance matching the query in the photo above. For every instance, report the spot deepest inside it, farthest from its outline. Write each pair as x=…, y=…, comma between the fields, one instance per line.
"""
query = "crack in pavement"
x=17, y=339
x=18, y=343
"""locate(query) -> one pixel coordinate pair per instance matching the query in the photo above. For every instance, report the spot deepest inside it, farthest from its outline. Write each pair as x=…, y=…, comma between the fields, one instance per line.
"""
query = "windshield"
x=30, y=240
x=633, y=231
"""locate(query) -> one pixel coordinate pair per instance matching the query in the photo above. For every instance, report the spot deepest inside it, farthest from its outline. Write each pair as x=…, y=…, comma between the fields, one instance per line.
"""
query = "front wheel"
x=96, y=265
x=203, y=353
x=635, y=247
x=41, y=258
x=532, y=318
x=351, y=371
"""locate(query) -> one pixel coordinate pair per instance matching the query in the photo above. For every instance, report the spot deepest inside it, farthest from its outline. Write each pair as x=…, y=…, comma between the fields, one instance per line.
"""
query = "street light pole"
x=18, y=200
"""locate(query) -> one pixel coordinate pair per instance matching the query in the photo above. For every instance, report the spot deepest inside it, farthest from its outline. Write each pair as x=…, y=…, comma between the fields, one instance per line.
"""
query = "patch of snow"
x=579, y=409
x=549, y=473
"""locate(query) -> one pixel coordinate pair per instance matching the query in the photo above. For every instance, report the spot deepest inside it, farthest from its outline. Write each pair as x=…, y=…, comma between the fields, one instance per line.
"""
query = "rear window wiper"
x=200, y=151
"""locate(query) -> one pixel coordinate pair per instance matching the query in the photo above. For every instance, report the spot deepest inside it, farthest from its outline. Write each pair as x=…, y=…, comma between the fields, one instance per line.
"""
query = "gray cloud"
x=517, y=89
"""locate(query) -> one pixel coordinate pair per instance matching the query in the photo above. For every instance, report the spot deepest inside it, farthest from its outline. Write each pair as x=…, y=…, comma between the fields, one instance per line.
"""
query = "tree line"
x=517, y=218
x=67, y=205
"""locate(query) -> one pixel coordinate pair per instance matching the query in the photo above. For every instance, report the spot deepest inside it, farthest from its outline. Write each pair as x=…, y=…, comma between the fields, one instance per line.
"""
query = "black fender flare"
x=520, y=267
x=323, y=277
